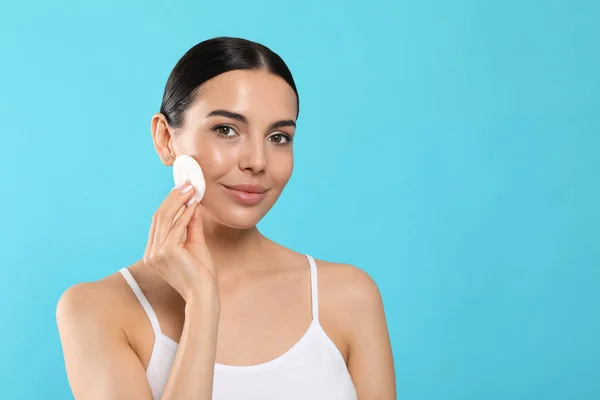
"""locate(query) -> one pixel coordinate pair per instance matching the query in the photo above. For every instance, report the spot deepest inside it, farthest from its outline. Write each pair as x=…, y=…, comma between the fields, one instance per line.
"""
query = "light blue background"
x=449, y=148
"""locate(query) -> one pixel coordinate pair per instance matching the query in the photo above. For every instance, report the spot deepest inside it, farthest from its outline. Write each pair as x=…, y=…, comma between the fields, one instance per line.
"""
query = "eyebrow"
x=244, y=120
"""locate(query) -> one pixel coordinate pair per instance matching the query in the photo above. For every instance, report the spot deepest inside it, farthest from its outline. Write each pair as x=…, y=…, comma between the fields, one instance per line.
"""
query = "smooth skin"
x=218, y=286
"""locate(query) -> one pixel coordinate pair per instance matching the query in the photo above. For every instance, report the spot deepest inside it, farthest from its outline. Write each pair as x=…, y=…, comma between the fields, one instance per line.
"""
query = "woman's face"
x=240, y=129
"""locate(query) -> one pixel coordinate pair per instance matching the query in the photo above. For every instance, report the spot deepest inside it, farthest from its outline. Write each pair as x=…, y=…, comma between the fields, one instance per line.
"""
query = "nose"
x=253, y=157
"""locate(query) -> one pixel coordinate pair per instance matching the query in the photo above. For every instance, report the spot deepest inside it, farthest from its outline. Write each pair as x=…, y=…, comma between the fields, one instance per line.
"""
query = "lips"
x=247, y=188
x=246, y=194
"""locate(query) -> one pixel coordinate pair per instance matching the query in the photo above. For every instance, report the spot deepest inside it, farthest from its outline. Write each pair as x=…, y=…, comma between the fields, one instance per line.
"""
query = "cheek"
x=282, y=168
x=216, y=160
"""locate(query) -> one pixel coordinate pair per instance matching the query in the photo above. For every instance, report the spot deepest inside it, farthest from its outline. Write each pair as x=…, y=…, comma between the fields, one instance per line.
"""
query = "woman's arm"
x=370, y=362
x=101, y=364
x=99, y=361
x=356, y=302
x=193, y=368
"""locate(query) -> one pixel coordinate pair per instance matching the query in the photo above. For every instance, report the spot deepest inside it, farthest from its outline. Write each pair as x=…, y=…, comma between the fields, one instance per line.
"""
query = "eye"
x=225, y=131
x=281, y=138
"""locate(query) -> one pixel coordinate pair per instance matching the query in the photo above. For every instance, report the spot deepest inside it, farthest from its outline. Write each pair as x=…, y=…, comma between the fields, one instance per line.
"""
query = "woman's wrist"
x=203, y=288
x=204, y=301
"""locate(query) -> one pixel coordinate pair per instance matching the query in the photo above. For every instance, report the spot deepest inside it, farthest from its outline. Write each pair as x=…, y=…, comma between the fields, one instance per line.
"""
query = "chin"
x=239, y=218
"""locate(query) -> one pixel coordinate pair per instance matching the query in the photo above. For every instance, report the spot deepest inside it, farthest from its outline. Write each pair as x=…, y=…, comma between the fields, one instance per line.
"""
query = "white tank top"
x=313, y=368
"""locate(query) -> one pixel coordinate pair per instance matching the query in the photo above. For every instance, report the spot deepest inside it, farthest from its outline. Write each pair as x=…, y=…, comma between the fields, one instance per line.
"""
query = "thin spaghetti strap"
x=143, y=300
x=314, y=288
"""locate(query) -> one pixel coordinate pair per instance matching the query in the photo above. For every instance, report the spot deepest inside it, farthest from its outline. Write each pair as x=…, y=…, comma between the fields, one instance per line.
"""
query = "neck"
x=232, y=248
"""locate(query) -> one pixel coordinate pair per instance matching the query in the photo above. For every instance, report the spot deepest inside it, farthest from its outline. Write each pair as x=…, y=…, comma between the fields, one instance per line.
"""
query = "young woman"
x=214, y=309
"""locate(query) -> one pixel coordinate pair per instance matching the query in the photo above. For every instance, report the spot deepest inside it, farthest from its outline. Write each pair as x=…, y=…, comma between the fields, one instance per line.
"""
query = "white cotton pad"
x=185, y=168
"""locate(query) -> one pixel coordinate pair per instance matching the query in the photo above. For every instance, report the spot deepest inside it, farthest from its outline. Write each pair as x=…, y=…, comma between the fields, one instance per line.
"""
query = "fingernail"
x=187, y=189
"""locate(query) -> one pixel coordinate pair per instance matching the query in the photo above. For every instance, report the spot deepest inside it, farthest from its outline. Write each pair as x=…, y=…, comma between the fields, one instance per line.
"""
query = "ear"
x=161, y=136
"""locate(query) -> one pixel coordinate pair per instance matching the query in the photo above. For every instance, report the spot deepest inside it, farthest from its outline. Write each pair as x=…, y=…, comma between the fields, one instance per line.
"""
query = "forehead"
x=259, y=95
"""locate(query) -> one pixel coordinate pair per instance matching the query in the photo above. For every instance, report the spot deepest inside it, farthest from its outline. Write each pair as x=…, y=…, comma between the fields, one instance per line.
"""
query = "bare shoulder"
x=350, y=303
x=99, y=359
x=348, y=285
x=354, y=318
x=92, y=303
x=343, y=288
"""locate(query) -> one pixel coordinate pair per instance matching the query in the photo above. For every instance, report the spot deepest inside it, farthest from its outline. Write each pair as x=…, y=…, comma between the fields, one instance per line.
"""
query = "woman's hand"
x=176, y=249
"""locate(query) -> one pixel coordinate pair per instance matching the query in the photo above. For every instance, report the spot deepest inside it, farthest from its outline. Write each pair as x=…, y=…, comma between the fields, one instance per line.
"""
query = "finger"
x=178, y=214
x=165, y=214
x=170, y=208
x=195, y=229
x=179, y=228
